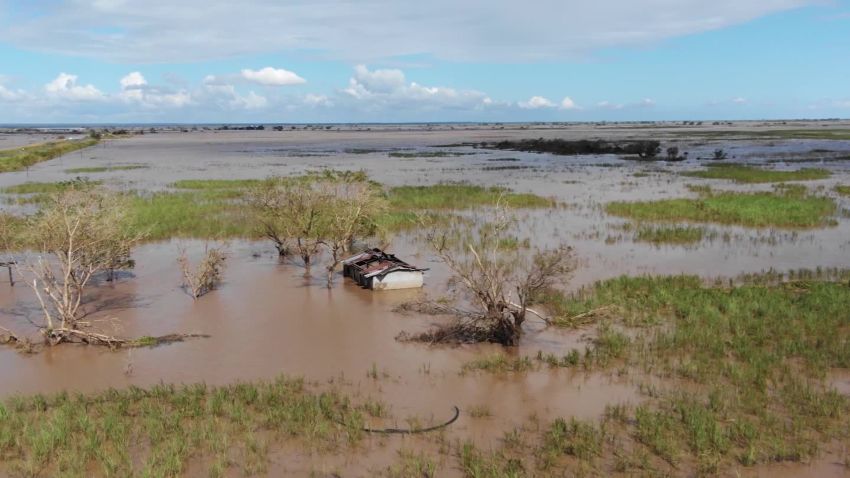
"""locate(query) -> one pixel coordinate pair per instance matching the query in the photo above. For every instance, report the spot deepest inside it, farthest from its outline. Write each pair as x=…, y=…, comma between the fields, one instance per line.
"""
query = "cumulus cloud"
x=314, y=100
x=132, y=80
x=10, y=95
x=536, y=102
x=226, y=97
x=65, y=87
x=135, y=89
x=568, y=104
x=500, y=30
x=375, y=89
x=269, y=76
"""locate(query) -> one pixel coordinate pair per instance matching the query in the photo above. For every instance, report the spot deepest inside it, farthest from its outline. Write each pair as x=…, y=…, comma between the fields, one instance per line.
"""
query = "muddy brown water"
x=269, y=319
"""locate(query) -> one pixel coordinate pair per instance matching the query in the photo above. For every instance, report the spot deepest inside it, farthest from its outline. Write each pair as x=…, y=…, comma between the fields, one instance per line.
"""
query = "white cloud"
x=536, y=102
x=379, y=81
x=251, y=101
x=135, y=88
x=377, y=89
x=269, y=76
x=133, y=79
x=65, y=87
x=568, y=104
x=496, y=30
x=9, y=95
x=311, y=99
x=225, y=97
x=739, y=100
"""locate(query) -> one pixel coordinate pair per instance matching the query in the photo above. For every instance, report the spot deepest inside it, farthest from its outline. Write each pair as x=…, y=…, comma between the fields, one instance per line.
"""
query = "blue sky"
x=390, y=60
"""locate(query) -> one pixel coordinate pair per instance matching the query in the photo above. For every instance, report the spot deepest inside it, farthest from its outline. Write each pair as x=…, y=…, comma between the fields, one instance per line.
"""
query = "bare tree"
x=269, y=206
x=290, y=213
x=207, y=275
x=501, y=282
x=351, y=210
x=82, y=233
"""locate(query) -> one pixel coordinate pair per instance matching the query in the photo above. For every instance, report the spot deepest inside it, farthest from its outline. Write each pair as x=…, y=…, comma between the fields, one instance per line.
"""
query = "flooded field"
x=270, y=317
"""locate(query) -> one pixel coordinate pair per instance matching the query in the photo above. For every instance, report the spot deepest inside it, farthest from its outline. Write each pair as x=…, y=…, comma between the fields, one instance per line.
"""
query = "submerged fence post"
x=8, y=266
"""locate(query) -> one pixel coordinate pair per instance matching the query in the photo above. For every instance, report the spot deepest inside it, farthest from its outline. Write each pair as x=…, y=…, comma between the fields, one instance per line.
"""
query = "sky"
x=305, y=61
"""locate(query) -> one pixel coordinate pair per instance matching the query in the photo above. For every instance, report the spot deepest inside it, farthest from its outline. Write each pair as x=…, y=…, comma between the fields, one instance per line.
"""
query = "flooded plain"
x=272, y=318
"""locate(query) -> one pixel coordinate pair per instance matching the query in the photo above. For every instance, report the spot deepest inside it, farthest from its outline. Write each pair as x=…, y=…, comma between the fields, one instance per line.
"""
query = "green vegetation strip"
x=49, y=188
x=158, y=432
x=460, y=196
x=745, y=209
x=749, y=174
x=105, y=169
x=746, y=374
x=216, y=208
x=22, y=158
x=843, y=190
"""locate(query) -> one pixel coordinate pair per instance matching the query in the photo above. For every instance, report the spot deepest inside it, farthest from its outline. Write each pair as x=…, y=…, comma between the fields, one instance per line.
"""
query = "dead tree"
x=207, y=275
x=268, y=207
x=350, y=212
x=501, y=283
x=289, y=213
x=79, y=233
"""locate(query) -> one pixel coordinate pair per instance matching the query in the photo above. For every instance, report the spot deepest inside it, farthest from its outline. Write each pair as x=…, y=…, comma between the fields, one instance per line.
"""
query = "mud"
x=270, y=318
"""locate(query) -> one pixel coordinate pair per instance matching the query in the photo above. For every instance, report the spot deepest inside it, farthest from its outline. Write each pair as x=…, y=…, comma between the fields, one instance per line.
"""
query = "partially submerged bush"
x=84, y=233
x=307, y=213
x=500, y=283
x=207, y=275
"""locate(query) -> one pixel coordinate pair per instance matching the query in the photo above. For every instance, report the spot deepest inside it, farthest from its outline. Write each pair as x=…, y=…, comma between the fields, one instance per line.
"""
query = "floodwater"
x=270, y=318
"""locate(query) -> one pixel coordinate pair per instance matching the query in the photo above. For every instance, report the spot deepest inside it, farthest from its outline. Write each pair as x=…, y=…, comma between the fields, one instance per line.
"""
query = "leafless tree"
x=500, y=282
x=350, y=212
x=290, y=213
x=79, y=234
x=207, y=275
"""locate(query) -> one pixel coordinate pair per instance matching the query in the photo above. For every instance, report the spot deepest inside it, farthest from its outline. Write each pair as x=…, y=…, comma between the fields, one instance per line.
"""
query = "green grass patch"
x=750, y=366
x=21, y=158
x=211, y=214
x=499, y=363
x=670, y=234
x=460, y=196
x=215, y=208
x=748, y=174
x=213, y=184
x=843, y=190
x=158, y=431
x=745, y=209
x=50, y=188
x=105, y=169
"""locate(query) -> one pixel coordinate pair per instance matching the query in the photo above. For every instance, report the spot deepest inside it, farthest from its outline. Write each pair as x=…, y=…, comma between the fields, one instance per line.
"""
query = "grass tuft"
x=748, y=174
x=169, y=426
x=745, y=209
x=21, y=158
x=460, y=196
x=104, y=169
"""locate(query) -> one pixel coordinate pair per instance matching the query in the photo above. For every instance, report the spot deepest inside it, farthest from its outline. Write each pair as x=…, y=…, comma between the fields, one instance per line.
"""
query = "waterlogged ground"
x=271, y=318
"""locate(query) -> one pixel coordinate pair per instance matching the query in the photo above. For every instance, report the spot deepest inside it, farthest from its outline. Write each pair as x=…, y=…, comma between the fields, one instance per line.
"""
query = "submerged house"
x=377, y=270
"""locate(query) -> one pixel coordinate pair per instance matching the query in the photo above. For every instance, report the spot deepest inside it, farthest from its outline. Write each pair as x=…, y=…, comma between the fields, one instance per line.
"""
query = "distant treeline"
x=642, y=148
